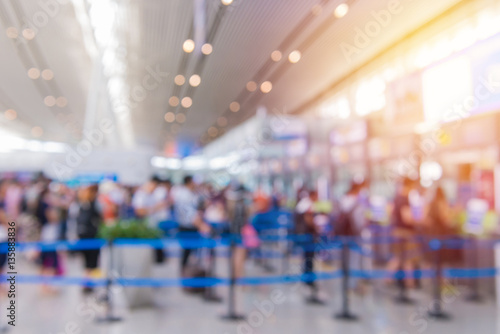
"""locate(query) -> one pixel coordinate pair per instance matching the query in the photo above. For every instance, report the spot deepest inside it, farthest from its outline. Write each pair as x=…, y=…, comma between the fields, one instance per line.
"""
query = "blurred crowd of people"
x=50, y=211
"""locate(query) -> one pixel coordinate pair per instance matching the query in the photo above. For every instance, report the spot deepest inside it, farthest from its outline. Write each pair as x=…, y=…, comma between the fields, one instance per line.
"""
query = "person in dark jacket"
x=88, y=221
x=305, y=226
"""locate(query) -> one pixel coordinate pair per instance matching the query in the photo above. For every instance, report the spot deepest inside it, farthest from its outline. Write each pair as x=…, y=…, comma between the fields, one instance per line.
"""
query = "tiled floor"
x=70, y=312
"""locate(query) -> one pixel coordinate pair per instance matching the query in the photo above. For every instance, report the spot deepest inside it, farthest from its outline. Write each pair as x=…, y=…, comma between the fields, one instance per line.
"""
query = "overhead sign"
x=287, y=128
x=354, y=133
x=405, y=103
x=91, y=178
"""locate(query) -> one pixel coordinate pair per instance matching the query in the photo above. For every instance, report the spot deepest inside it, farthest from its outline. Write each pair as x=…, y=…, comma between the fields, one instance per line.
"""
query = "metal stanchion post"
x=210, y=295
x=345, y=314
x=437, y=310
x=232, y=315
x=286, y=258
x=402, y=297
x=474, y=295
x=109, y=316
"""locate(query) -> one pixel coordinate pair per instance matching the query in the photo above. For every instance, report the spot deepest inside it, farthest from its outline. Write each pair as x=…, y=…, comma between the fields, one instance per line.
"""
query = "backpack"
x=88, y=221
x=345, y=225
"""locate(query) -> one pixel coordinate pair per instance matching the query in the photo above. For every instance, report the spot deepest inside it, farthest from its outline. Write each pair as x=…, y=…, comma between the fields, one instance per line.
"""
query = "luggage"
x=193, y=271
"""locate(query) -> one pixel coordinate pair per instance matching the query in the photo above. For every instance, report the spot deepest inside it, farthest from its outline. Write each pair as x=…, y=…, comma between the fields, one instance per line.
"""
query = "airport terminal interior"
x=250, y=166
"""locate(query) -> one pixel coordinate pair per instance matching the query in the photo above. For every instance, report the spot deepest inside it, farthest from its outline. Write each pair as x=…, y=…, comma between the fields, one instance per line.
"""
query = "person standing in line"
x=13, y=199
x=238, y=205
x=50, y=259
x=439, y=225
x=88, y=221
x=189, y=216
x=143, y=200
x=351, y=222
x=404, y=230
x=4, y=227
x=163, y=203
x=305, y=226
x=150, y=202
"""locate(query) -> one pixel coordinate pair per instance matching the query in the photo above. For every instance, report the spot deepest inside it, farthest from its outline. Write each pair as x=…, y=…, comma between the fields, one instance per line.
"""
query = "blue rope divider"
x=251, y=281
x=304, y=241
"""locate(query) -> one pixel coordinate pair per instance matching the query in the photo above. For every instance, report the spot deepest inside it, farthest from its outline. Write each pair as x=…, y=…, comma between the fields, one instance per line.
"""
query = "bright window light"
x=194, y=163
x=168, y=163
x=370, y=96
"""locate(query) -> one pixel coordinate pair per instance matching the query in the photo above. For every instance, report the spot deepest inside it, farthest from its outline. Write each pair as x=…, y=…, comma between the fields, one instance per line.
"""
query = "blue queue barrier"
x=449, y=273
x=196, y=240
x=208, y=282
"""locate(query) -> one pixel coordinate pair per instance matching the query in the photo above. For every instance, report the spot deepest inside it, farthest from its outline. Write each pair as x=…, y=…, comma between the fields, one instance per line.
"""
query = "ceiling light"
x=181, y=118
x=195, y=80
x=49, y=101
x=12, y=32
x=226, y=2
x=47, y=74
x=222, y=121
x=179, y=80
x=206, y=49
x=36, y=131
x=61, y=102
x=294, y=56
x=266, y=87
x=234, y=106
x=169, y=117
x=34, y=73
x=251, y=86
x=212, y=131
x=276, y=56
x=28, y=34
x=10, y=114
x=187, y=102
x=173, y=101
x=341, y=10
x=188, y=46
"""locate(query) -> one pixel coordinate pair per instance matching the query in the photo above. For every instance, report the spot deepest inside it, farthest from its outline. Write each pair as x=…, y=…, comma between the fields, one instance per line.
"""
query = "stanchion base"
x=212, y=298
x=439, y=315
x=315, y=301
x=268, y=268
x=404, y=300
x=233, y=317
x=108, y=318
x=474, y=298
x=346, y=316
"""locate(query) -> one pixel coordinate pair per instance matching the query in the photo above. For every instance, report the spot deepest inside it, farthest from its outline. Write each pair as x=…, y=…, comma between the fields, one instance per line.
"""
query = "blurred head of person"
x=151, y=185
x=88, y=193
x=53, y=215
x=407, y=185
x=166, y=183
x=354, y=188
x=313, y=195
x=188, y=182
x=439, y=195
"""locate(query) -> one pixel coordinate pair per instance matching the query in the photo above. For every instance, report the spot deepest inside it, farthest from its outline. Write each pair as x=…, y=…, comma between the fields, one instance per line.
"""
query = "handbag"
x=250, y=236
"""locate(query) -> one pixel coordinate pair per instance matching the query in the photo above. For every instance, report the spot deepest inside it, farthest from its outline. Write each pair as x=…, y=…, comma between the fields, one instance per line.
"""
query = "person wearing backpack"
x=88, y=220
x=305, y=227
x=349, y=224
